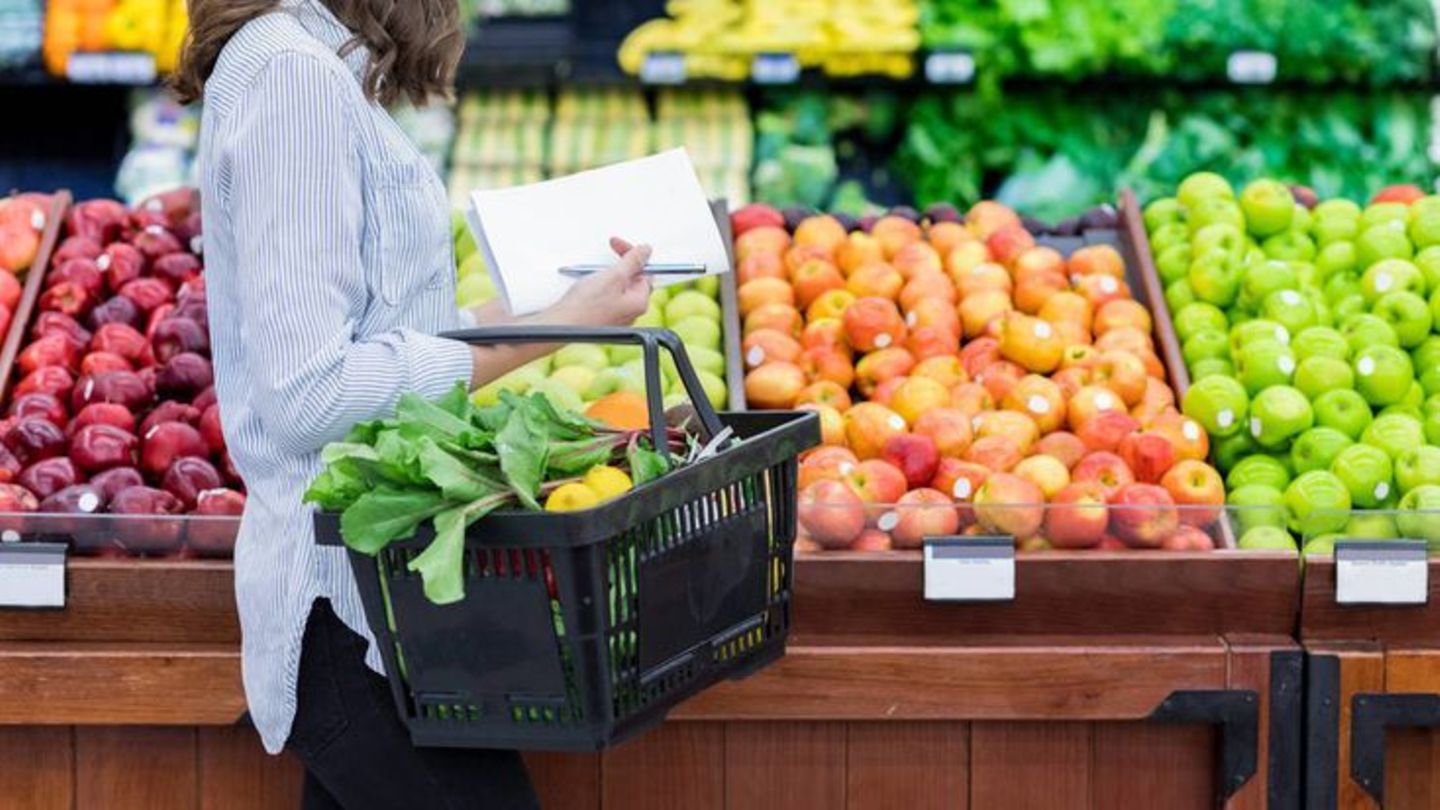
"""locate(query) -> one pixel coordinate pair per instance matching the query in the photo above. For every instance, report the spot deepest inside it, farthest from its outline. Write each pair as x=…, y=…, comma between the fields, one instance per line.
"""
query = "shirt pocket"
x=412, y=231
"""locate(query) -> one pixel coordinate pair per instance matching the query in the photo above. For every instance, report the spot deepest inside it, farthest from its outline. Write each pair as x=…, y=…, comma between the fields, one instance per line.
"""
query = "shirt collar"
x=321, y=23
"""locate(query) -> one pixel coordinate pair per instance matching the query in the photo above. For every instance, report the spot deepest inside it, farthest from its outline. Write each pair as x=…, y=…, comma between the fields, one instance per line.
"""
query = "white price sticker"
x=1252, y=67
x=663, y=67
x=1382, y=572
x=775, y=68
x=32, y=575
x=969, y=569
x=950, y=67
x=111, y=68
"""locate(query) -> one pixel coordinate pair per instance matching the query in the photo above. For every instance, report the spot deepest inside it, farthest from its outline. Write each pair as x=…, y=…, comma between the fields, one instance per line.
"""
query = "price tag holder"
x=111, y=68
x=950, y=67
x=32, y=575
x=775, y=68
x=663, y=67
x=1252, y=67
x=969, y=569
x=1382, y=572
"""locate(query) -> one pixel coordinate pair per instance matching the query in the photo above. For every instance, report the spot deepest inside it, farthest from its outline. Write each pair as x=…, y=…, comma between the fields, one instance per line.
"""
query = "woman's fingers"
x=620, y=246
x=634, y=262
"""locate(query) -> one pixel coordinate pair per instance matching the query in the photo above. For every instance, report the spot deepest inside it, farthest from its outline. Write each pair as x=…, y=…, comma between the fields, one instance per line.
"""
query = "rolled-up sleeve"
x=298, y=212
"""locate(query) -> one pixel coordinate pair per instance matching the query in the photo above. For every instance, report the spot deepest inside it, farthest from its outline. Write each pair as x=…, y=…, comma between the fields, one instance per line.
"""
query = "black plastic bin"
x=581, y=629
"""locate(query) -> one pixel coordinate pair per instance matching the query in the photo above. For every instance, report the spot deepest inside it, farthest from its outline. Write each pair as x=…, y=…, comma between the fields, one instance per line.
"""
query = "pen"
x=578, y=270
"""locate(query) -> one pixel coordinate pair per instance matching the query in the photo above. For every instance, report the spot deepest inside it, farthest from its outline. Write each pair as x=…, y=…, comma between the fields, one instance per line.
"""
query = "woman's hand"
x=615, y=297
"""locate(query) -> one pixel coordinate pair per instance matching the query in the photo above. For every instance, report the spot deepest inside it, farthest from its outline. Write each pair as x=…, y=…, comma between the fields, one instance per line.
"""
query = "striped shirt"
x=329, y=268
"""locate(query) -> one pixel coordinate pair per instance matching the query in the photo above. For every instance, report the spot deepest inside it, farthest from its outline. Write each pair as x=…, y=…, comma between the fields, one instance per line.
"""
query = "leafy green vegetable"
x=385, y=514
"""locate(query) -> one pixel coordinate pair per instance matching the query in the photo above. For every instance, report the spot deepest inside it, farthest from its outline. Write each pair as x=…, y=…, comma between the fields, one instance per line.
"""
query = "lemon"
x=608, y=482
x=571, y=498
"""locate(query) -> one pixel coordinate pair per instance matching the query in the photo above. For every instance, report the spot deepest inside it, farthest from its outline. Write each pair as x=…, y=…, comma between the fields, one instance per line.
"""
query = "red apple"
x=1063, y=445
x=877, y=482
x=1077, y=516
x=1009, y=504
x=1149, y=455
x=1142, y=515
x=1199, y=491
x=1106, y=469
x=1188, y=538
x=826, y=464
x=872, y=540
x=922, y=513
x=831, y=513
x=1106, y=431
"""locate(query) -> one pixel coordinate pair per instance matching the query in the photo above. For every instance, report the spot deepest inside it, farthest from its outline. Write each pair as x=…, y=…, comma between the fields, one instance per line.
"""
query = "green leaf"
x=397, y=458
x=523, y=453
x=574, y=458
x=456, y=402
x=456, y=479
x=442, y=565
x=561, y=424
x=386, y=514
x=414, y=410
x=645, y=464
x=335, y=489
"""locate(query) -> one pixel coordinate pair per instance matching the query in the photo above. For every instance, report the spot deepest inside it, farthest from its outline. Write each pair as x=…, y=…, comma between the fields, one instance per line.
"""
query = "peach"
x=914, y=455
x=1101, y=289
x=1040, y=399
x=758, y=266
x=1030, y=342
x=925, y=286
x=998, y=453
x=1097, y=260
x=1071, y=380
x=1198, y=490
x=932, y=342
x=1107, y=430
x=987, y=217
x=1009, y=504
x=917, y=395
x=1142, y=515
x=874, y=323
x=764, y=291
x=767, y=240
x=829, y=304
x=978, y=310
x=872, y=540
x=1069, y=307
x=774, y=386
x=797, y=256
x=876, y=281
x=1148, y=455
x=1032, y=293
x=940, y=314
x=1189, y=439
x=1063, y=445
x=822, y=231
x=894, y=233
x=832, y=424
x=965, y=257
x=827, y=463
x=1123, y=373
x=1105, y=469
x=780, y=317
x=949, y=428
x=885, y=391
x=1008, y=242
x=878, y=483
x=917, y=258
x=999, y=378
x=868, y=426
x=876, y=368
x=1079, y=355
x=1047, y=472
x=1015, y=424
x=1072, y=334
x=1077, y=516
x=1126, y=339
x=983, y=278
x=946, y=370
x=1187, y=538
x=1124, y=312
x=1091, y=401
x=831, y=365
x=858, y=250
x=971, y=399
x=767, y=345
x=825, y=333
x=815, y=278
x=977, y=355
x=946, y=236
x=825, y=392
x=831, y=513
x=1038, y=261
x=923, y=513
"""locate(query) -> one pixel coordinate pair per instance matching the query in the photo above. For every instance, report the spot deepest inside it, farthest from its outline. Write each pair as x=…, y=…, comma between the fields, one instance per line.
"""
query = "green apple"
x=560, y=394
x=589, y=355
x=1417, y=466
x=1318, y=503
x=1302, y=219
x=1428, y=262
x=1364, y=330
x=661, y=296
x=1342, y=286
x=1209, y=367
x=1383, y=374
x=1231, y=450
x=1202, y=186
x=1215, y=277
x=1259, y=330
x=1258, y=469
x=1271, y=276
x=1367, y=472
x=691, y=304
x=1435, y=306
x=1317, y=375
x=1321, y=545
x=1179, y=295
x=1380, y=242
x=1269, y=207
x=1267, y=538
x=1333, y=230
x=1257, y=505
x=470, y=266
x=704, y=359
x=1220, y=237
x=1338, y=205
x=1215, y=212
x=1371, y=526
x=1290, y=309
x=1432, y=404
x=1324, y=316
x=1316, y=448
x=606, y=382
x=1419, y=516
x=474, y=290
x=1167, y=237
x=1394, y=433
x=1163, y=211
x=1173, y=263
x=519, y=381
x=1320, y=341
x=1394, y=214
x=1424, y=215
x=1279, y=414
x=633, y=376
x=620, y=355
x=653, y=318
x=1289, y=246
x=1345, y=307
x=1261, y=365
x=698, y=330
x=1206, y=345
x=1391, y=275
x=579, y=378
x=1344, y=410
x=1219, y=404
x=1198, y=317
x=708, y=286
x=1306, y=275
x=715, y=389
x=1336, y=259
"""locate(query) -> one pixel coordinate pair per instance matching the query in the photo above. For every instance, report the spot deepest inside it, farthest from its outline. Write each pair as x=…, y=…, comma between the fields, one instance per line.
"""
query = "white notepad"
x=527, y=233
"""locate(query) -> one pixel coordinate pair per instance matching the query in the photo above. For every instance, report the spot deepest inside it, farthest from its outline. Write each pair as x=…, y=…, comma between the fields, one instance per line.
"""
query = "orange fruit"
x=622, y=410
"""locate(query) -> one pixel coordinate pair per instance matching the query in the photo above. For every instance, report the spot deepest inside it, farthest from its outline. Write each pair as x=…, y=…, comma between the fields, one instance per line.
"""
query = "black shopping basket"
x=581, y=629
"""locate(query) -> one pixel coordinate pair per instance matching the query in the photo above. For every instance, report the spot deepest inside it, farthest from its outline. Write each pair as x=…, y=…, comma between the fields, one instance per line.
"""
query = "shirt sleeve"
x=298, y=213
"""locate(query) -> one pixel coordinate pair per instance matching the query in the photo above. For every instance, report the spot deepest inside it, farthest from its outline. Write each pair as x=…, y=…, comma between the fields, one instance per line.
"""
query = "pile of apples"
x=967, y=380
x=112, y=407
x=22, y=227
x=1309, y=328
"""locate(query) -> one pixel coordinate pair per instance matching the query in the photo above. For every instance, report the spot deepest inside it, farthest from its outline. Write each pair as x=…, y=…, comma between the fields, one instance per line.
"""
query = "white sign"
x=950, y=67
x=969, y=569
x=32, y=575
x=111, y=68
x=775, y=68
x=1382, y=572
x=663, y=67
x=1251, y=67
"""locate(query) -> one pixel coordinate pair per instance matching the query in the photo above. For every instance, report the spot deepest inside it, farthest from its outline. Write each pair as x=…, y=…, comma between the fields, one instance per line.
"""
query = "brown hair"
x=415, y=45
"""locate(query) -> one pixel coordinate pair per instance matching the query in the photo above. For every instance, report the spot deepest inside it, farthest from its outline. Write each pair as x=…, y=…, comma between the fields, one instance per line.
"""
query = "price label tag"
x=775, y=68
x=969, y=569
x=950, y=67
x=111, y=68
x=1382, y=572
x=32, y=575
x=663, y=67
x=1251, y=67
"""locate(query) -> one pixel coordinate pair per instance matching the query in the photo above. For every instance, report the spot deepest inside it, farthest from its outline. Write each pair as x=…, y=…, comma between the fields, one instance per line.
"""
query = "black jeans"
x=357, y=753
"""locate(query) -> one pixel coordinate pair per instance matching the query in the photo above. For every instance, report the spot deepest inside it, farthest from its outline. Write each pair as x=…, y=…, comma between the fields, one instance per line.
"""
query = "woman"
x=330, y=269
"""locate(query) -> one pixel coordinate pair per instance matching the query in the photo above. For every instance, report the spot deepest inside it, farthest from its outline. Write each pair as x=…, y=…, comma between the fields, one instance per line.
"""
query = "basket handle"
x=650, y=342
